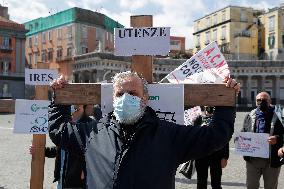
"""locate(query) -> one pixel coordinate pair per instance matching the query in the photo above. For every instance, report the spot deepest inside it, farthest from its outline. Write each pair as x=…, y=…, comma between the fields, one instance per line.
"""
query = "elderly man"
x=264, y=120
x=131, y=148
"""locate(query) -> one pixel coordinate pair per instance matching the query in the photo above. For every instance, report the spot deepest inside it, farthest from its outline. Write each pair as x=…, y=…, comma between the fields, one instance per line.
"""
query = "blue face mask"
x=128, y=109
x=73, y=109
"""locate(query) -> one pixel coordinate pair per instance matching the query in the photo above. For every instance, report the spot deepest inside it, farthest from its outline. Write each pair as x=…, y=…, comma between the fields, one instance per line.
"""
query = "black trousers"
x=202, y=166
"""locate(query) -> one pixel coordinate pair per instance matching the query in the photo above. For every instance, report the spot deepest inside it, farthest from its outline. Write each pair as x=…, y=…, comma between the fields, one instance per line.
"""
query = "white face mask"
x=128, y=109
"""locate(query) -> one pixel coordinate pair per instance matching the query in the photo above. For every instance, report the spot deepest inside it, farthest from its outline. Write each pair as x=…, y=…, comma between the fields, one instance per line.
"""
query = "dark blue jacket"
x=157, y=149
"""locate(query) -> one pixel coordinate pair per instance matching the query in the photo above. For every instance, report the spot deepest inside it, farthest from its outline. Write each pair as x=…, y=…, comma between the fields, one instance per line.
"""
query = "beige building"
x=234, y=28
x=273, y=23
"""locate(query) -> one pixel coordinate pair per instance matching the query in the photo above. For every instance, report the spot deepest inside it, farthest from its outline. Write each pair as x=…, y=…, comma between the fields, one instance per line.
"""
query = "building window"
x=84, y=50
x=49, y=35
x=36, y=57
x=223, y=16
x=6, y=67
x=5, y=90
x=6, y=43
x=43, y=37
x=84, y=32
x=30, y=27
x=243, y=15
x=214, y=35
x=271, y=23
x=69, y=32
x=30, y=41
x=69, y=51
x=197, y=42
x=223, y=36
x=208, y=22
x=50, y=55
x=30, y=59
x=59, y=33
x=271, y=41
x=207, y=37
x=59, y=52
x=36, y=26
x=215, y=19
x=282, y=39
x=43, y=56
x=36, y=40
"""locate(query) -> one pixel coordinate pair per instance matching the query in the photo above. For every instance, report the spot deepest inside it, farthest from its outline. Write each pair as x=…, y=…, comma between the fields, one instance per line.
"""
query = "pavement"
x=15, y=162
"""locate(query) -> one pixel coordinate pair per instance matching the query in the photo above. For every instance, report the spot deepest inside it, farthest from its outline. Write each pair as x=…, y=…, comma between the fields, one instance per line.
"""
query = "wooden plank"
x=7, y=106
x=86, y=93
x=39, y=140
x=209, y=95
x=142, y=64
x=195, y=94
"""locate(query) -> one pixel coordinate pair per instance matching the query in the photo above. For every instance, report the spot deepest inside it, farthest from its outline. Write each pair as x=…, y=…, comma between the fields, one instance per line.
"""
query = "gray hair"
x=120, y=77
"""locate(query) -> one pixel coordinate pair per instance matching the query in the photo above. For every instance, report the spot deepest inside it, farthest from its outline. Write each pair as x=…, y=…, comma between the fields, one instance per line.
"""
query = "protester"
x=131, y=147
x=70, y=173
x=264, y=120
x=216, y=161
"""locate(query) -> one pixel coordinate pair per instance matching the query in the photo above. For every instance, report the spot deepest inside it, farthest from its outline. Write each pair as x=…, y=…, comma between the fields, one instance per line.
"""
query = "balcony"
x=63, y=59
x=6, y=49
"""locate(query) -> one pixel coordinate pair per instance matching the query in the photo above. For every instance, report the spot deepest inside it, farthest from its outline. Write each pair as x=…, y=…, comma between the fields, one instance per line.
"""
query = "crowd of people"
x=131, y=148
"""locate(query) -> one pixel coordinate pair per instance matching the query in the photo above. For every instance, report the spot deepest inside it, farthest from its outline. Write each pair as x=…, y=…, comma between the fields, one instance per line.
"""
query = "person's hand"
x=272, y=140
x=78, y=113
x=32, y=149
x=224, y=163
x=281, y=152
x=58, y=83
x=232, y=83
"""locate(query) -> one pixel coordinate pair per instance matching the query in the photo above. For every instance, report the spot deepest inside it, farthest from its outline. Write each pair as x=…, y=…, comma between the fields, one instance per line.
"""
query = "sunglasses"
x=261, y=99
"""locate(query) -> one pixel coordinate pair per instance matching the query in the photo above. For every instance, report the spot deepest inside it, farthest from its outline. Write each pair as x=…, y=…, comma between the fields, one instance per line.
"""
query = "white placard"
x=142, y=41
x=31, y=116
x=40, y=76
x=251, y=144
x=191, y=114
x=166, y=99
x=209, y=60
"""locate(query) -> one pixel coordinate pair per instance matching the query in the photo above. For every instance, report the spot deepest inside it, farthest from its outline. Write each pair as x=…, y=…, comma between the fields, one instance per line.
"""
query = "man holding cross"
x=131, y=147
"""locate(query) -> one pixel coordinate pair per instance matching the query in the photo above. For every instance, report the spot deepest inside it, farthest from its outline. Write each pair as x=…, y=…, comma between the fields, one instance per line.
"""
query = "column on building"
x=81, y=77
x=261, y=83
x=100, y=75
x=94, y=76
x=276, y=90
x=248, y=90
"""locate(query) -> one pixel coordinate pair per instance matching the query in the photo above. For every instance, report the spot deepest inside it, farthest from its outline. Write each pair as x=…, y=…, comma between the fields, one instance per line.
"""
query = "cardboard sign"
x=31, y=116
x=166, y=99
x=209, y=60
x=251, y=144
x=39, y=76
x=142, y=41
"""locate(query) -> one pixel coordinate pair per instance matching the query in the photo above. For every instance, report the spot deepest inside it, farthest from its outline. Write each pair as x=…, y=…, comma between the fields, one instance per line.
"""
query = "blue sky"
x=177, y=14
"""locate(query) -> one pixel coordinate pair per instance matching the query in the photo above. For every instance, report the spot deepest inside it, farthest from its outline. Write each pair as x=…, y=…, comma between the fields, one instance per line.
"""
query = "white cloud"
x=133, y=4
x=23, y=12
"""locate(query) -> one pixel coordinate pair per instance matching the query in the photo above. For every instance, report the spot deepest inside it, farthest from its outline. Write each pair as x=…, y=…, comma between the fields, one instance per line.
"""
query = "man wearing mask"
x=131, y=148
x=264, y=120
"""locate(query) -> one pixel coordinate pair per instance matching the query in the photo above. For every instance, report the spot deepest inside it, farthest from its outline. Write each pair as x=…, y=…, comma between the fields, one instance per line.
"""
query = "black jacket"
x=74, y=163
x=224, y=152
x=157, y=149
x=249, y=125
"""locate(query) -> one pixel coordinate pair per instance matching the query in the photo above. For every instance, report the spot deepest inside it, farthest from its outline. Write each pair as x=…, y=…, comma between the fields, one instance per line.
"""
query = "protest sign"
x=209, y=60
x=142, y=41
x=166, y=99
x=251, y=144
x=191, y=114
x=40, y=76
x=31, y=116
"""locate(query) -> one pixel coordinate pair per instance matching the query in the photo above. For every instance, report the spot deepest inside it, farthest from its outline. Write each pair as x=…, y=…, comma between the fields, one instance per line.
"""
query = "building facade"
x=273, y=23
x=57, y=38
x=177, y=45
x=234, y=28
x=12, y=57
